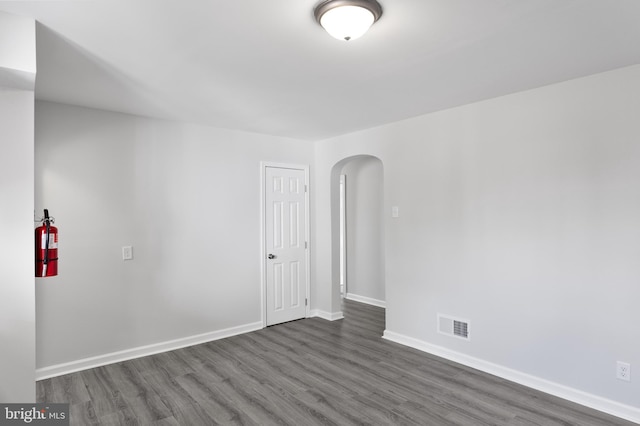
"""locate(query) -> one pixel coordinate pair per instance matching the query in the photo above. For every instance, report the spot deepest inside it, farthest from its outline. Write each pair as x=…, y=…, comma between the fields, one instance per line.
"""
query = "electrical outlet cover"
x=127, y=253
x=623, y=371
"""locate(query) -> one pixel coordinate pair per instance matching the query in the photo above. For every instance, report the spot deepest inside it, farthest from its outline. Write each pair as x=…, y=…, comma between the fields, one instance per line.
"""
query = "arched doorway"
x=357, y=194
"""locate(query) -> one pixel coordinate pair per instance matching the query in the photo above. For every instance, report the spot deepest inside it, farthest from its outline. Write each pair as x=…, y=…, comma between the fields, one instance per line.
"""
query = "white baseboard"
x=110, y=358
x=329, y=316
x=608, y=406
x=367, y=300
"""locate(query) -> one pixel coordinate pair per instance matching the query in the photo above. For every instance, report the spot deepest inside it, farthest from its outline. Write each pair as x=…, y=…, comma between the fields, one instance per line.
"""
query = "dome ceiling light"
x=347, y=19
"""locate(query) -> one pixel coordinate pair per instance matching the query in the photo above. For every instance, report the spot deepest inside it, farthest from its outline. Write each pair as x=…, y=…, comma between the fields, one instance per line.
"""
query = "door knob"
x=271, y=256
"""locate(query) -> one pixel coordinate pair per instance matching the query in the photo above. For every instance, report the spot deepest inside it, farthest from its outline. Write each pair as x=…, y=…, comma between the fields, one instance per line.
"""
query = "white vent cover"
x=455, y=327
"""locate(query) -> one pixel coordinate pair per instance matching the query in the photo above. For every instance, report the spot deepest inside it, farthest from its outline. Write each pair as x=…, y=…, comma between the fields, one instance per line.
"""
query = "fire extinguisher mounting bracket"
x=43, y=219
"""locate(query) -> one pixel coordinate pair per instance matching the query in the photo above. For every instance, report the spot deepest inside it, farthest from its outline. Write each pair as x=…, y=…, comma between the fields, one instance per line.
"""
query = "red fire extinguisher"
x=46, y=247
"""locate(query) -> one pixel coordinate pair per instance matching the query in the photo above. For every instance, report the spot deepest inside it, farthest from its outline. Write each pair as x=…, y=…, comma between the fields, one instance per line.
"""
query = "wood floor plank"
x=189, y=414
x=82, y=414
x=69, y=388
x=148, y=407
x=106, y=398
x=124, y=416
x=173, y=396
x=168, y=421
x=292, y=410
x=329, y=408
x=213, y=401
x=306, y=373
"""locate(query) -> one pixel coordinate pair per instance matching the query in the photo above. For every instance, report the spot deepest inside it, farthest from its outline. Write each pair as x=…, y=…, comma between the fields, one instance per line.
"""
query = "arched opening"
x=357, y=225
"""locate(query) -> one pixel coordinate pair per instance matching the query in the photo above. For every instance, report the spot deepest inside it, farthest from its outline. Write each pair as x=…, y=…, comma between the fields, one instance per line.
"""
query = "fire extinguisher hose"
x=46, y=246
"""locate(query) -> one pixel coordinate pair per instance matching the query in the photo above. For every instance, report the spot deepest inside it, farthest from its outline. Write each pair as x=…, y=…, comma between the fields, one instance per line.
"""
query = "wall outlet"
x=623, y=371
x=127, y=253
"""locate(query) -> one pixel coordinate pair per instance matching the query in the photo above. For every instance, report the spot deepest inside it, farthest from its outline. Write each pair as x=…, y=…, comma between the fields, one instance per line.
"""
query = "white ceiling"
x=265, y=66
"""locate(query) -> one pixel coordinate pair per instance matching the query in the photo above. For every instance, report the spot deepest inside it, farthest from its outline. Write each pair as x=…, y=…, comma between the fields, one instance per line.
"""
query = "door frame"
x=263, y=240
x=343, y=234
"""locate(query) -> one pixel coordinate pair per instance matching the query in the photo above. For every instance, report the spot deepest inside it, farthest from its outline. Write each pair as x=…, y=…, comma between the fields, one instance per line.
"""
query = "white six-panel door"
x=285, y=245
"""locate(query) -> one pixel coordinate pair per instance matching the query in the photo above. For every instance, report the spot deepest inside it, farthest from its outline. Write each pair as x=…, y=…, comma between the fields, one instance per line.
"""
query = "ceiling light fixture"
x=347, y=19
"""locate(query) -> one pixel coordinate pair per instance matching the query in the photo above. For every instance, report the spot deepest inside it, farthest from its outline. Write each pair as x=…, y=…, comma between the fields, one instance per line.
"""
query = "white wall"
x=186, y=197
x=365, y=229
x=17, y=295
x=17, y=52
x=520, y=214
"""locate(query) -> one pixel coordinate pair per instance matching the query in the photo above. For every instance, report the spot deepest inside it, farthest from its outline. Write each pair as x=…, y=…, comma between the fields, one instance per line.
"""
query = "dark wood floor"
x=307, y=372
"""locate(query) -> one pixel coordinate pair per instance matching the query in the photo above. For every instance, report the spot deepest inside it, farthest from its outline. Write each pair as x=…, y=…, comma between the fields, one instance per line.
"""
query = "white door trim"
x=263, y=254
x=343, y=235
